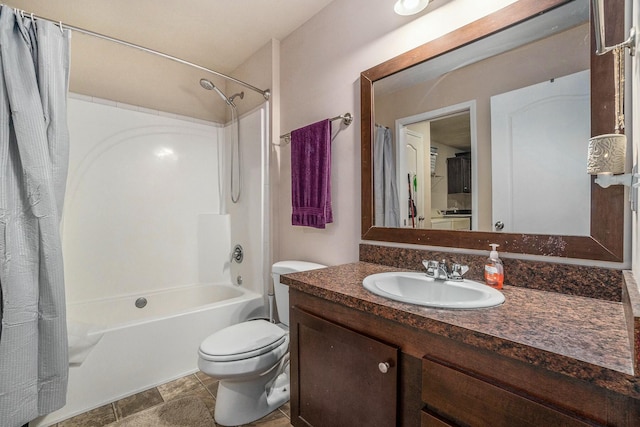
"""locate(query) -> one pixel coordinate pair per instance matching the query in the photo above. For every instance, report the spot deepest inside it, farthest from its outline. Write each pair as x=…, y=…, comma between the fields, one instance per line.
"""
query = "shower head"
x=206, y=84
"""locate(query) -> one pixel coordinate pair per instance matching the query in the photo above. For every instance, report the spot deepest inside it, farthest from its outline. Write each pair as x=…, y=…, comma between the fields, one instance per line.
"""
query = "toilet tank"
x=282, y=291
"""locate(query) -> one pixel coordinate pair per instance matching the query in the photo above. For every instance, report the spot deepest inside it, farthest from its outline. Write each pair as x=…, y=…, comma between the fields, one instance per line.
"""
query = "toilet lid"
x=241, y=341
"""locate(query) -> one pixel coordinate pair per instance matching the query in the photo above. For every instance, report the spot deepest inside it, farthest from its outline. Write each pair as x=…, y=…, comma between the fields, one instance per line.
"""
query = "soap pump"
x=493, y=269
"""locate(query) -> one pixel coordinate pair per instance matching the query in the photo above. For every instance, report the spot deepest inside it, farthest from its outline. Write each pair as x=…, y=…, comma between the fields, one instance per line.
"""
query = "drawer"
x=429, y=419
x=463, y=398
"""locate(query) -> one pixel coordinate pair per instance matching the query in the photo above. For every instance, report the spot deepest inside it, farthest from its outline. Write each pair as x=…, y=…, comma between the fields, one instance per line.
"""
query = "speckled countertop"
x=580, y=337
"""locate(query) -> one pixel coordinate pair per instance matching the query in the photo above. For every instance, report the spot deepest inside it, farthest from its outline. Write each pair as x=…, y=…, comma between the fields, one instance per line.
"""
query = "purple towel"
x=311, y=175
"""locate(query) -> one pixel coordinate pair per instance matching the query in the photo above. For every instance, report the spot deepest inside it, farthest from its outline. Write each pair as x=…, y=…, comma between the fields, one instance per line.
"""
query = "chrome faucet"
x=436, y=270
x=440, y=270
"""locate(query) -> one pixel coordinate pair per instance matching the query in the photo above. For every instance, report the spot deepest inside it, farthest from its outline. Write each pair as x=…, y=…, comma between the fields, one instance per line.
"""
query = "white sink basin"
x=418, y=288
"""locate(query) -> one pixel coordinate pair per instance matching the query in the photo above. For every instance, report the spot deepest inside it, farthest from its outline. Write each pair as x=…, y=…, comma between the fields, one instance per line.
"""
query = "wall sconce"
x=606, y=155
x=410, y=7
x=606, y=158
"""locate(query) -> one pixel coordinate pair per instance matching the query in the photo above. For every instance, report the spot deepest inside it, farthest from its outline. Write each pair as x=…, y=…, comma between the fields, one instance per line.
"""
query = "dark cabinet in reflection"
x=459, y=175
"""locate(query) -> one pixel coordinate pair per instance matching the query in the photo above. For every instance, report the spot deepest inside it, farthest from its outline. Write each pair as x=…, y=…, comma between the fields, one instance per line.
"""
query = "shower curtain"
x=385, y=188
x=34, y=140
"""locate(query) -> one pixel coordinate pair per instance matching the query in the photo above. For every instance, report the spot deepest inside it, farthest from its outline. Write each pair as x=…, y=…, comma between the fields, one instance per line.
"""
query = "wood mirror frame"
x=606, y=241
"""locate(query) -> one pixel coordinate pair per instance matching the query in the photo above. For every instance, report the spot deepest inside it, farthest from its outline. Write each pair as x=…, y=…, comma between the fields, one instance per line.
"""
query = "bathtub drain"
x=141, y=302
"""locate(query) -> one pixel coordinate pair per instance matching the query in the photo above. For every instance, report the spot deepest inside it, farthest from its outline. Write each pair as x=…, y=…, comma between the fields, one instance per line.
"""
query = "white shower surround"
x=140, y=184
x=148, y=214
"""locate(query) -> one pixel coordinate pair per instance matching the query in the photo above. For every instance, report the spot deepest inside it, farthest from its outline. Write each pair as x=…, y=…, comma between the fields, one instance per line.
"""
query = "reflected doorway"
x=436, y=169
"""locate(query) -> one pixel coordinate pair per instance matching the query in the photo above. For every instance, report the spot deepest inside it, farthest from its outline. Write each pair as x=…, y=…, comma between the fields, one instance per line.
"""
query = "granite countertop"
x=585, y=338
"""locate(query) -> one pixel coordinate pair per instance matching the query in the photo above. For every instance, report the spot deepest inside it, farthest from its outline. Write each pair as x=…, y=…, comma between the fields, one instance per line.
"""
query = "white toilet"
x=251, y=359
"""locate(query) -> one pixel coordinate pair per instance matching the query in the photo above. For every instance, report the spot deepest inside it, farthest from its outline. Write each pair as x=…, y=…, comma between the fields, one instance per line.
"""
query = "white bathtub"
x=142, y=348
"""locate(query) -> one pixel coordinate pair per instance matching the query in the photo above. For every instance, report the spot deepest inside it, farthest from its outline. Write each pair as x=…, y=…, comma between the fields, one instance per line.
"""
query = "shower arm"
x=265, y=93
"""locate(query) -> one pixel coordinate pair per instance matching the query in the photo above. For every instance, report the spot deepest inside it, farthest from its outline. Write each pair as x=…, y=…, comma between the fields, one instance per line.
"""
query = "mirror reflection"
x=490, y=137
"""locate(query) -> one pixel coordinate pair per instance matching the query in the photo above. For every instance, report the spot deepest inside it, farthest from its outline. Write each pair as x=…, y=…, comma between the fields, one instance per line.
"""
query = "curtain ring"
x=61, y=29
x=33, y=21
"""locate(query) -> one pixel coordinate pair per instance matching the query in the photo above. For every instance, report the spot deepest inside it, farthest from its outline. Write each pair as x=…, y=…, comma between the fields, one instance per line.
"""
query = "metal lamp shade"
x=607, y=154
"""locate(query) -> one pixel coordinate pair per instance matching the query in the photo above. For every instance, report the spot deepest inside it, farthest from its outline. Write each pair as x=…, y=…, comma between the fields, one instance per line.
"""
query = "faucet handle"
x=431, y=266
x=457, y=270
x=237, y=255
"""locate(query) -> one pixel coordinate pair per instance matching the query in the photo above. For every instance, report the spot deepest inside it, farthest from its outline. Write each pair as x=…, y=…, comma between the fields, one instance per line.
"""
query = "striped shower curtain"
x=385, y=188
x=34, y=142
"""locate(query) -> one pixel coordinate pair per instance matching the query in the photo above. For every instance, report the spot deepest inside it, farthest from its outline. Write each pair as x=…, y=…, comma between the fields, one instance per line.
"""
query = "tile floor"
x=197, y=384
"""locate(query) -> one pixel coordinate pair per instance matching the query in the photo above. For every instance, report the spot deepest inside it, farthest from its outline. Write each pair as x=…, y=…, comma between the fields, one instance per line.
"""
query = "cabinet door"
x=458, y=175
x=461, y=224
x=340, y=377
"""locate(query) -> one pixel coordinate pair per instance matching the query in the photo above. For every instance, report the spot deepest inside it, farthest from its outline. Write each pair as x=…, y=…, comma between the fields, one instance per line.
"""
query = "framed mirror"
x=444, y=107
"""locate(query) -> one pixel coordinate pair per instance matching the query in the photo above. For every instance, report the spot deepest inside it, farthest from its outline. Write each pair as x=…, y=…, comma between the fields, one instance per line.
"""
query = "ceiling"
x=453, y=130
x=555, y=21
x=216, y=34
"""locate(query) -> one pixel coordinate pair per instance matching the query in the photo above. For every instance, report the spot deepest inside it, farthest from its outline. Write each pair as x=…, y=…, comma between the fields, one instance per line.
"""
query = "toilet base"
x=242, y=402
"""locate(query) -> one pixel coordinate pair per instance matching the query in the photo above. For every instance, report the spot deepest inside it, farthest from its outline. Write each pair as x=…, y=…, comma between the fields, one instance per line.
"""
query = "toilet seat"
x=242, y=341
x=243, y=369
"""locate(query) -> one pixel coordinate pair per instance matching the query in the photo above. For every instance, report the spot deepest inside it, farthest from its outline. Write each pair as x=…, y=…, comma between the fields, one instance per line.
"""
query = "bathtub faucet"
x=237, y=254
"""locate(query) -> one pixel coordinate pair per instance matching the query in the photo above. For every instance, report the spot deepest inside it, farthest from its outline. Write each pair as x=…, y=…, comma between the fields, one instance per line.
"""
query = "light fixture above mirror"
x=410, y=7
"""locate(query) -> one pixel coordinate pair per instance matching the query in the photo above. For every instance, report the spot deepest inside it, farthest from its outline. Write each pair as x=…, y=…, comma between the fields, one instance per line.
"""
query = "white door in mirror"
x=539, y=139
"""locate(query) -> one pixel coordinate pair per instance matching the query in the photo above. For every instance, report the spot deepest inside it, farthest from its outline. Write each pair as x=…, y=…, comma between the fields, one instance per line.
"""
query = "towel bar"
x=347, y=119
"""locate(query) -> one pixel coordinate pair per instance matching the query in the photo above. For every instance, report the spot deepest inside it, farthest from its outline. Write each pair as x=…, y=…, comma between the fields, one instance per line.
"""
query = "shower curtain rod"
x=265, y=93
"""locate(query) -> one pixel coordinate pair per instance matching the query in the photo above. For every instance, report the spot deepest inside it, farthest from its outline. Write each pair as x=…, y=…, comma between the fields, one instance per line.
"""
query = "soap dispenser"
x=493, y=270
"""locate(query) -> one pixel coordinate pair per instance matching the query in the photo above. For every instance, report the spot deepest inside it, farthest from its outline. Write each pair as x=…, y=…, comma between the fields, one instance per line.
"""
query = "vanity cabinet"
x=431, y=380
x=458, y=175
x=346, y=378
x=451, y=223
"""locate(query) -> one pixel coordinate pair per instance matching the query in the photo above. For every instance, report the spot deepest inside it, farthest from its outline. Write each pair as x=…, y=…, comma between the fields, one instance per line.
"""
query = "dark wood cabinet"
x=461, y=398
x=345, y=379
x=458, y=175
x=429, y=419
x=432, y=381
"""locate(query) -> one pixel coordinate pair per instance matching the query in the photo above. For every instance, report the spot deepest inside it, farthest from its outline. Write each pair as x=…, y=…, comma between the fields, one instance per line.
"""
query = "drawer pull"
x=384, y=367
